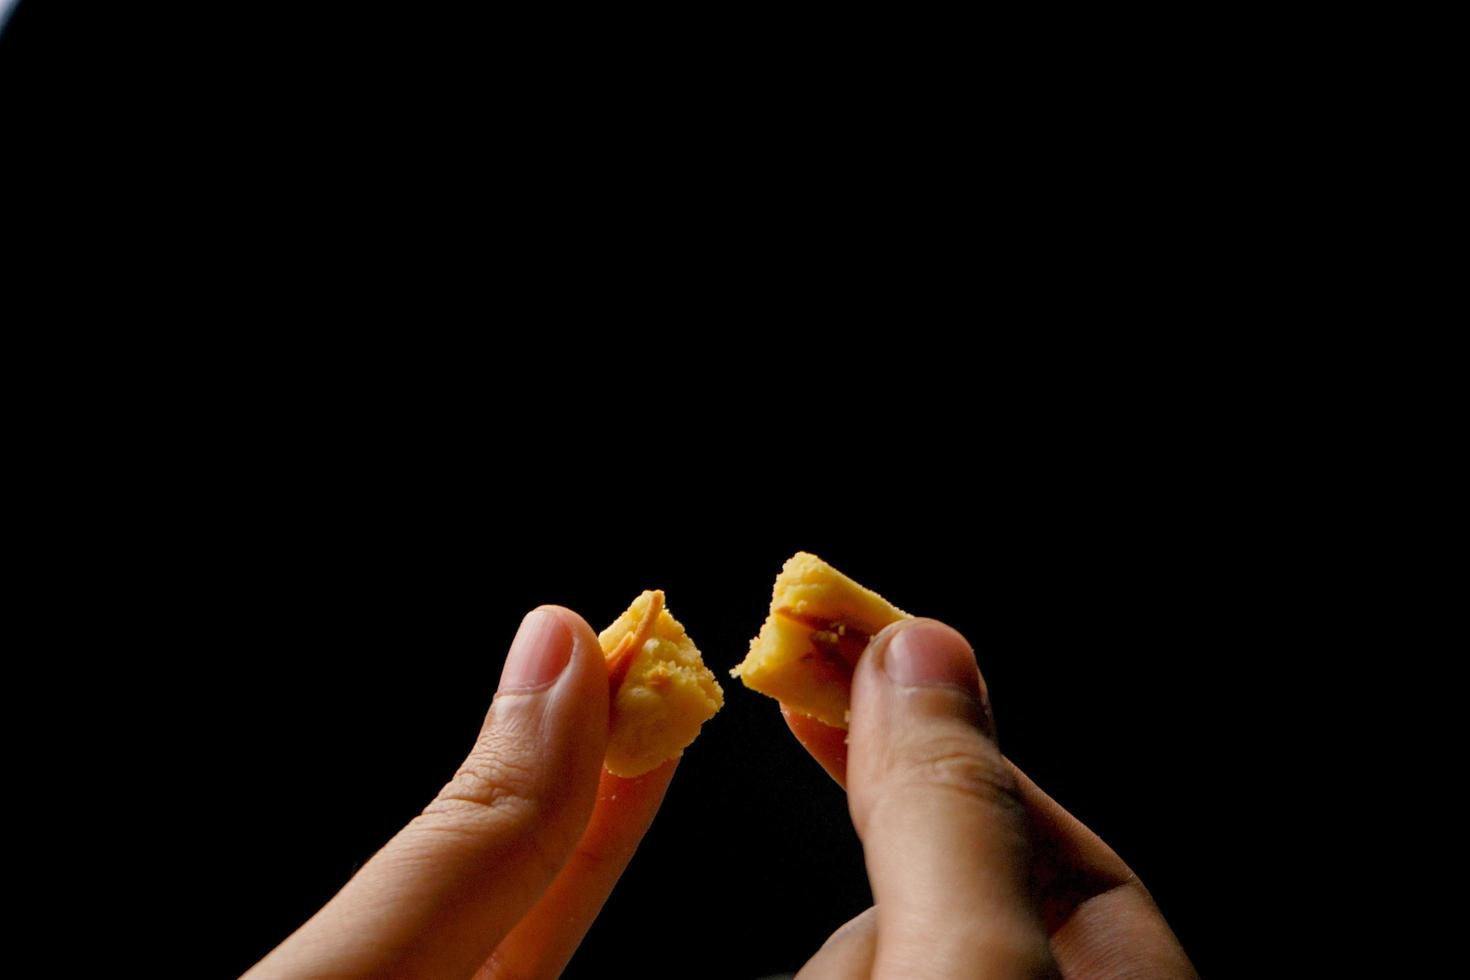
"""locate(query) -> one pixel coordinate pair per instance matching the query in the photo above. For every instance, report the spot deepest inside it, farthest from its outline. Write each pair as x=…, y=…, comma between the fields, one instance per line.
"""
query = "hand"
x=975, y=871
x=505, y=870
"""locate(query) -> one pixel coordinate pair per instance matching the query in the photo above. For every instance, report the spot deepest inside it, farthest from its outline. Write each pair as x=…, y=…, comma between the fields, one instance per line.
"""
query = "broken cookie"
x=819, y=624
x=660, y=690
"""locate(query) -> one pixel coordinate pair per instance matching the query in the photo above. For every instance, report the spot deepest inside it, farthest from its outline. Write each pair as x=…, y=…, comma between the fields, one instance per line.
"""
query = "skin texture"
x=976, y=872
x=503, y=873
x=1098, y=920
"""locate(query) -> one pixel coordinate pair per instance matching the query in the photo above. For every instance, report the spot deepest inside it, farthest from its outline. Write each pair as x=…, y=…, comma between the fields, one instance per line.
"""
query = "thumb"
x=944, y=834
x=533, y=772
x=438, y=898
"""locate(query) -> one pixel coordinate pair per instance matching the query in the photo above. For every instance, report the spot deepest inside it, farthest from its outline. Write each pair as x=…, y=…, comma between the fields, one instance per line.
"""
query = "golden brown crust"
x=660, y=691
x=622, y=656
x=820, y=623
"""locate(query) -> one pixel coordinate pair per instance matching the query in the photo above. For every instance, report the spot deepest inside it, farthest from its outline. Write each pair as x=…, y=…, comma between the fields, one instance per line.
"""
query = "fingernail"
x=539, y=653
x=930, y=654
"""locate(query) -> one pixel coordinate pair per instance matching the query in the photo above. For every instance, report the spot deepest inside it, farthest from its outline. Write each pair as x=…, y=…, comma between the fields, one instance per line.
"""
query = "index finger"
x=544, y=941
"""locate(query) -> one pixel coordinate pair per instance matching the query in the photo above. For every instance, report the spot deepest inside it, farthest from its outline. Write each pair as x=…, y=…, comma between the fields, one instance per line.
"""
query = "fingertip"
x=933, y=664
x=582, y=631
x=553, y=701
x=539, y=654
x=586, y=650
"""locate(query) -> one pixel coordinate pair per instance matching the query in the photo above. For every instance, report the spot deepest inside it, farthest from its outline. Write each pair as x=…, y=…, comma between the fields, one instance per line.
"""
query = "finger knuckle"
x=493, y=782
x=962, y=767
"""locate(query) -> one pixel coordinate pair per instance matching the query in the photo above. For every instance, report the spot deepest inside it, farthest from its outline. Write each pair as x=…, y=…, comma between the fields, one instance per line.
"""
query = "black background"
x=323, y=547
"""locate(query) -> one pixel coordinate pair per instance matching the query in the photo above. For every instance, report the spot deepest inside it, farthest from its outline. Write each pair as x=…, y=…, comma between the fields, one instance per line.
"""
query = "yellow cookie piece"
x=661, y=691
x=820, y=623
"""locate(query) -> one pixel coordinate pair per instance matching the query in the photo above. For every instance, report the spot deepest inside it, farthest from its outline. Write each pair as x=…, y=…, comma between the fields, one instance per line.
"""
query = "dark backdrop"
x=327, y=556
